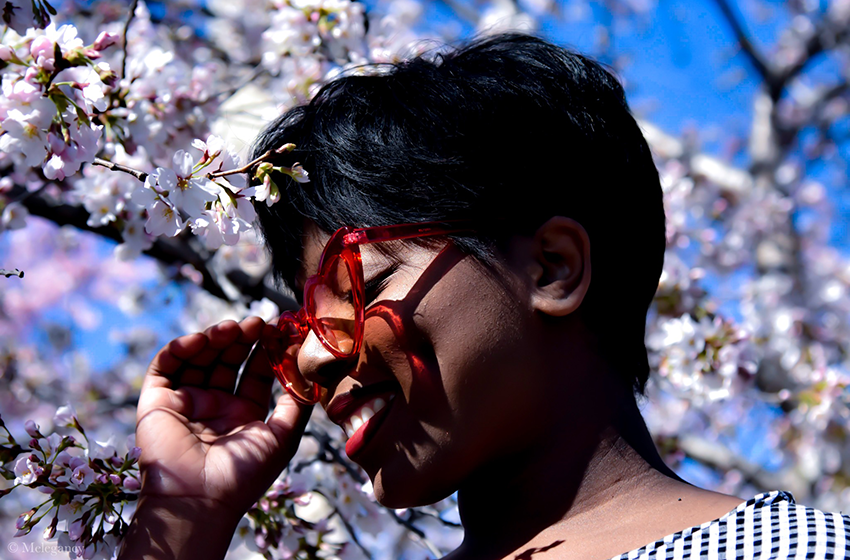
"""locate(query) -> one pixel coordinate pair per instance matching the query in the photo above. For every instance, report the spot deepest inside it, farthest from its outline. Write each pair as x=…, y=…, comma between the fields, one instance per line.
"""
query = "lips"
x=360, y=412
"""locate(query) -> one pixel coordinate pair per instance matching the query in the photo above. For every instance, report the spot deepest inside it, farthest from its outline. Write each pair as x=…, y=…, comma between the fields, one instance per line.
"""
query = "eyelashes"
x=377, y=284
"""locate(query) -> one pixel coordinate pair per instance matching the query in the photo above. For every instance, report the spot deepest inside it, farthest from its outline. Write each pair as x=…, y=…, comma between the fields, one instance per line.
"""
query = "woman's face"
x=443, y=384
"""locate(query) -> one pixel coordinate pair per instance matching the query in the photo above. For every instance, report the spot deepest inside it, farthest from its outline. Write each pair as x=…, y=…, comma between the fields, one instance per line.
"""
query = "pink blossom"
x=23, y=137
x=14, y=216
x=163, y=219
x=184, y=191
x=268, y=192
x=43, y=51
x=210, y=149
x=65, y=416
x=86, y=89
x=299, y=174
x=81, y=477
x=65, y=36
x=76, y=530
x=26, y=469
x=135, y=238
x=67, y=158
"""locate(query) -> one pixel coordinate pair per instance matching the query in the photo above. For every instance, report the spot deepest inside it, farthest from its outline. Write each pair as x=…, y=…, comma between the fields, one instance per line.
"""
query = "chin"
x=407, y=491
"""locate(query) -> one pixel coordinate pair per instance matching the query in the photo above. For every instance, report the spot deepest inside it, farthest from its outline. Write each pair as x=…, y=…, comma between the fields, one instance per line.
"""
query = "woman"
x=477, y=328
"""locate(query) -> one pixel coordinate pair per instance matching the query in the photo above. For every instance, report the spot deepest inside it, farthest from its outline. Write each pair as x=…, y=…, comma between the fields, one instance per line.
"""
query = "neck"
x=608, y=457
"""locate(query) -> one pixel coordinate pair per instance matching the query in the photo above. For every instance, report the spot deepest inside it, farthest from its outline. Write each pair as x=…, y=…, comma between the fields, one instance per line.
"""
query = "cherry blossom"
x=752, y=310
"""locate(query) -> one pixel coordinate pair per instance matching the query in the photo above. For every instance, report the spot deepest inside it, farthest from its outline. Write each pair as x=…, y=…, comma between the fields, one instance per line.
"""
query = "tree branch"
x=140, y=175
x=816, y=45
x=756, y=58
x=124, y=45
x=8, y=273
x=170, y=251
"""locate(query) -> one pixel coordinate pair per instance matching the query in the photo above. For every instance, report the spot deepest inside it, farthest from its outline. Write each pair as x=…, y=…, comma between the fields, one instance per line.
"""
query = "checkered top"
x=769, y=526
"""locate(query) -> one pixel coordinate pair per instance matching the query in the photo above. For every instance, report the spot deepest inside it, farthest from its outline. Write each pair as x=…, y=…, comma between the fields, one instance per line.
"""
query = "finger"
x=249, y=333
x=220, y=336
x=159, y=398
x=165, y=367
x=257, y=378
x=234, y=354
x=203, y=369
x=287, y=422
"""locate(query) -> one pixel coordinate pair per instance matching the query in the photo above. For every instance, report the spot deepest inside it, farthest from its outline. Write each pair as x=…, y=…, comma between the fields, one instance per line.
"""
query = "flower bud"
x=64, y=498
x=24, y=518
x=104, y=40
x=131, y=484
x=107, y=76
x=50, y=531
x=6, y=53
x=77, y=57
x=34, y=75
x=115, y=479
x=134, y=454
x=32, y=429
x=77, y=529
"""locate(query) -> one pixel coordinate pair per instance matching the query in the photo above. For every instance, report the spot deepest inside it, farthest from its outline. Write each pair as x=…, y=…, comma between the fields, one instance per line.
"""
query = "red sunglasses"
x=334, y=307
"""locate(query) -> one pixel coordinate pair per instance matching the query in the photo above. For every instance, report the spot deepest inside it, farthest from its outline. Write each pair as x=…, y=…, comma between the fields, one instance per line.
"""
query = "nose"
x=318, y=365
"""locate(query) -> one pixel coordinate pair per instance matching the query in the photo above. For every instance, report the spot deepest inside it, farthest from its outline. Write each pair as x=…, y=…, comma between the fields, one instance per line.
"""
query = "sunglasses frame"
x=344, y=244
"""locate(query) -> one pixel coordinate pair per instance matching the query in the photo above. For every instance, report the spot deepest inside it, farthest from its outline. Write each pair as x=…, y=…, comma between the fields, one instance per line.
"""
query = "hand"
x=205, y=440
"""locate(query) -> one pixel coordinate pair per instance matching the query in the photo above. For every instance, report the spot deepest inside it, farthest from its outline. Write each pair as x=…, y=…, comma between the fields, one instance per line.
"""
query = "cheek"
x=481, y=342
x=395, y=342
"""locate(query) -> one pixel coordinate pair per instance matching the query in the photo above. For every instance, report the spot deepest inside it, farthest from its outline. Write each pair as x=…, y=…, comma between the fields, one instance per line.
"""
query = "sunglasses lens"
x=334, y=311
x=282, y=345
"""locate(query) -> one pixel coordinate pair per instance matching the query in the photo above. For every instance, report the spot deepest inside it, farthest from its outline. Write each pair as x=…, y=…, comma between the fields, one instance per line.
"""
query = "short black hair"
x=507, y=129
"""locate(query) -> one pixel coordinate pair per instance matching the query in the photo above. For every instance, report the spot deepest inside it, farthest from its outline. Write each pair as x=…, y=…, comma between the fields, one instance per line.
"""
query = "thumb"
x=287, y=422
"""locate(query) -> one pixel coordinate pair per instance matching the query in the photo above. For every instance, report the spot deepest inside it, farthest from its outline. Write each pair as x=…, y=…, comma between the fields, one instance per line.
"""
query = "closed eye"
x=378, y=284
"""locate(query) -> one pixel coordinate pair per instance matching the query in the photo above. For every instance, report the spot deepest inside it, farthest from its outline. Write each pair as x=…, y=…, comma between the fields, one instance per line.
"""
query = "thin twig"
x=16, y=272
x=254, y=74
x=746, y=44
x=351, y=532
x=126, y=30
x=170, y=251
x=816, y=45
x=420, y=512
x=140, y=175
x=244, y=169
x=407, y=524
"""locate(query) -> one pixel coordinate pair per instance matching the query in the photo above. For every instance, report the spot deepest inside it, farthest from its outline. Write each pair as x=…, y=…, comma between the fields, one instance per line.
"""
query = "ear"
x=561, y=267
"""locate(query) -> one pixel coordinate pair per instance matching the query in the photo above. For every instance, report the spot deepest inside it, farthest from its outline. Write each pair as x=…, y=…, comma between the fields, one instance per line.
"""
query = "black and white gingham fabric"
x=769, y=526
